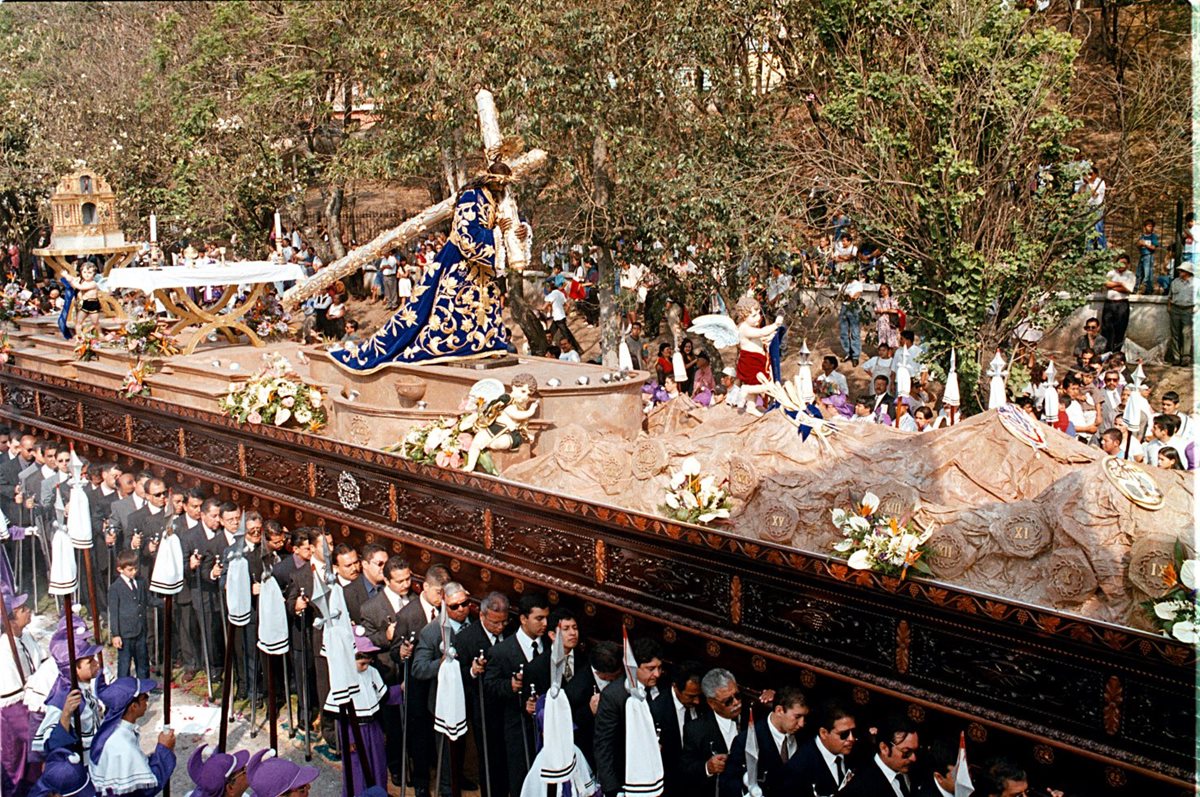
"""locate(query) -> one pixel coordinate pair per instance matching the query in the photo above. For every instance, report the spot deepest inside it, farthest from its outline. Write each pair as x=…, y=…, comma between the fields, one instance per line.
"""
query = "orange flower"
x=1170, y=577
x=894, y=526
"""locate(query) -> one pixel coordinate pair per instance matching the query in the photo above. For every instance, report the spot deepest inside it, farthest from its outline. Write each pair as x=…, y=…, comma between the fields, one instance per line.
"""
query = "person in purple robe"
x=119, y=767
x=64, y=773
x=219, y=774
x=371, y=696
x=17, y=772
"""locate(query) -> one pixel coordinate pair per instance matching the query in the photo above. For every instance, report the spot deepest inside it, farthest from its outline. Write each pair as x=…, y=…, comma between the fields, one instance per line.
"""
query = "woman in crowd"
x=887, y=317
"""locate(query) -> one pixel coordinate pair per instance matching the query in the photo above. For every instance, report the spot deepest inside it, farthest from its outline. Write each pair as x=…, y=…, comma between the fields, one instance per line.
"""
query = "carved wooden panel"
x=20, y=397
x=268, y=468
x=439, y=516
x=821, y=624
x=539, y=546
x=161, y=438
x=64, y=411
x=682, y=585
x=1160, y=718
x=214, y=452
x=1068, y=692
x=101, y=420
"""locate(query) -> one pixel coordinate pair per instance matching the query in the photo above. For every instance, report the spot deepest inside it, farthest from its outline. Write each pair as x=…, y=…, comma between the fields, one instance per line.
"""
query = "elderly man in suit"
x=505, y=680
x=577, y=676
x=708, y=740
x=610, y=716
x=427, y=661
x=128, y=501
x=409, y=623
x=776, y=734
x=887, y=773
x=674, y=710
x=474, y=644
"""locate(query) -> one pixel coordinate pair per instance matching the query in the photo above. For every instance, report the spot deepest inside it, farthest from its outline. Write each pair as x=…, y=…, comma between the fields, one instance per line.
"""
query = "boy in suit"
x=127, y=607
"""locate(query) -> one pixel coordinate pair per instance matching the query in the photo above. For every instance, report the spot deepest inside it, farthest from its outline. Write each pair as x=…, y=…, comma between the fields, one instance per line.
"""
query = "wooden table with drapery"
x=170, y=286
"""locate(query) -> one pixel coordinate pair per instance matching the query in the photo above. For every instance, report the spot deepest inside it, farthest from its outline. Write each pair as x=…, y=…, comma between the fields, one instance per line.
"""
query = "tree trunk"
x=523, y=315
x=334, y=198
x=610, y=321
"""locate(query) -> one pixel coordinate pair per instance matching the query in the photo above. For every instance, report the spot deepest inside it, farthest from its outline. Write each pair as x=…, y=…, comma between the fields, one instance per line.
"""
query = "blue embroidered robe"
x=455, y=310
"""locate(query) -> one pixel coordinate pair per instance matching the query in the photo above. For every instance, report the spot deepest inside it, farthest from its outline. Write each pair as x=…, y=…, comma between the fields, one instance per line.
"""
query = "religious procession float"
x=992, y=575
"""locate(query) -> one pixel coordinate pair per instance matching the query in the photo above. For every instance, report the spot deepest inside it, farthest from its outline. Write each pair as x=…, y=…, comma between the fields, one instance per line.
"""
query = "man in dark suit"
x=821, y=765
x=941, y=760
x=882, y=398
x=427, y=662
x=886, y=774
x=128, y=501
x=505, y=681
x=673, y=710
x=127, y=606
x=610, y=716
x=1002, y=777
x=474, y=645
x=776, y=744
x=379, y=619
x=411, y=620
x=578, y=683
x=56, y=489
x=20, y=457
x=372, y=558
x=104, y=537
x=707, y=741
x=304, y=639
x=199, y=558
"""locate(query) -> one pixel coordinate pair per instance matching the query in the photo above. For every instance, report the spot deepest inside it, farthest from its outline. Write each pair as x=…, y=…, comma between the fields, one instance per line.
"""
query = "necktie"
x=903, y=781
x=432, y=615
x=533, y=646
x=841, y=769
x=568, y=670
x=783, y=750
x=689, y=715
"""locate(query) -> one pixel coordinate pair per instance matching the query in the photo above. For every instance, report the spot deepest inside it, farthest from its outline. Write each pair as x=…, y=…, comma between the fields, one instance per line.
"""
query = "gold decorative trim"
x=312, y=480
x=1114, y=696
x=182, y=444
x=393, y=506
x=488, y=539
x=601, y=562
x=37, y=403
x=128, y=428
x=79, y=413
x=242, y=459
x=903, y=639
x=735, y=600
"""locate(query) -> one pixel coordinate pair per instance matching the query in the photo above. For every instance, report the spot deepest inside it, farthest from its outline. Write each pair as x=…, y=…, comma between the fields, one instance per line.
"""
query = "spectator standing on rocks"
x=1114, y=318
x=1147, y=246
x=1180, y=300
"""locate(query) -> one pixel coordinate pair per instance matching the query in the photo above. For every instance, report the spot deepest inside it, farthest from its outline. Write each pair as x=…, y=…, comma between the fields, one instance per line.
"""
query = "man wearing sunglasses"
x=707, y=740
x=887, y=775
x=822, y=765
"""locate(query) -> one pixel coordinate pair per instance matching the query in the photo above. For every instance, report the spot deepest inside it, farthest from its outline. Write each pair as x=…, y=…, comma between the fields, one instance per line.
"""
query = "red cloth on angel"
x=749, y=365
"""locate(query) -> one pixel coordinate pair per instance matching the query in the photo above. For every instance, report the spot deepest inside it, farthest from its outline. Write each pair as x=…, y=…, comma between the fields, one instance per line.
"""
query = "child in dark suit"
x=127, y=608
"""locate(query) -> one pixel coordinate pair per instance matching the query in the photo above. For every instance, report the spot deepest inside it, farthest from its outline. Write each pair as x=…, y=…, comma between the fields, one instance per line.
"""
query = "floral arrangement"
x=144, y=338
x=1175, y=611
x=275, y=395
x=13, y=306
x=694, y=498
x=87, y=348
x=883, y=543
x=268, y=319
x=6, y=350
x=443, y=442
x=135, y=379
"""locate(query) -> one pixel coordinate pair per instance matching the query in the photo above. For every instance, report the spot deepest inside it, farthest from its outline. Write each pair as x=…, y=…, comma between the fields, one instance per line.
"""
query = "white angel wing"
x=717, y=327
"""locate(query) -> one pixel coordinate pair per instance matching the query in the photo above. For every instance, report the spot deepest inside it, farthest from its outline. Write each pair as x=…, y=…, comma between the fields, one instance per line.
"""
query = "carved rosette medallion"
x=712, y=649
x=573, y=444
x=1149, y=558
x=1070, y=576
x=1043, y=754
x=1024, y=536
x=649, y=458
x=779, y=522
x=916, y=713
x=360, y=430
x=758, y=663
x=976, y=732
x=950, y=554
x=669, y=635
x=861, y=695
x=808, y=679
x=743, y=477
x=349, y=495
x=613, y=468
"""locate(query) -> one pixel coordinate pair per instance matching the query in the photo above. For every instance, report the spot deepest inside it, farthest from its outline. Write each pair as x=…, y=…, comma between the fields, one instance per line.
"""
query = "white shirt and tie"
x=682, y=713
x=397, y=601
x=896, y=780
x=530, y=647
x=835, y=763
x=428, y=609
x=784, y=743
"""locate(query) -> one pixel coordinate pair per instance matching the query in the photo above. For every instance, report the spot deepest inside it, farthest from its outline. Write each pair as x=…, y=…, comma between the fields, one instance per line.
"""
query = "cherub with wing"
x=753, y=366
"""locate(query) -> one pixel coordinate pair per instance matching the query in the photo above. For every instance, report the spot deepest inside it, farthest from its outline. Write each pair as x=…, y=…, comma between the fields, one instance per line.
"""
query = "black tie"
x=841, y=769
x=688, y=716
x=432, y=615
x=533, y=646
x=568, y=670
x=903, y=781
x=783, y=751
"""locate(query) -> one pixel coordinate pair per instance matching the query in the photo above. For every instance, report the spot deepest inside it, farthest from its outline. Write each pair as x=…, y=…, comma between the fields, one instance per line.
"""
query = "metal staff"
x=78, y=719
x=252, y=674
x=223, y=735
x=273, y=706
x=302, y=683
x=347, y=712
x=524, y=721
x=404, y=731
x=287, y=693
x=203, y=630
x=91, y=583
x=487, y=767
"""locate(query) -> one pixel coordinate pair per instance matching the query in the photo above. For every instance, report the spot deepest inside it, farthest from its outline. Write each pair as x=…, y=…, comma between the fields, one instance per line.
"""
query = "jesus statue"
x=455, y=310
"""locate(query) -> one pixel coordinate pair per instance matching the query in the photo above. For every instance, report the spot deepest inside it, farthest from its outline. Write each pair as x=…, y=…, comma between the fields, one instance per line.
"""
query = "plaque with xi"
x=1023, y=536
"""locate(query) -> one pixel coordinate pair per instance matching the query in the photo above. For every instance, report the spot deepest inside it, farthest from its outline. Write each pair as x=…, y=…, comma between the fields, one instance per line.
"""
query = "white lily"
x=1187, y=573
x=282, y=416
x=858, y=524
x=691, y=467
x=1185, y=632
x=1166, y=610
x=672, y=501
x=870, y=503
x=839, y=517
x=860, y=560
x=843, y=546
x=690, y=501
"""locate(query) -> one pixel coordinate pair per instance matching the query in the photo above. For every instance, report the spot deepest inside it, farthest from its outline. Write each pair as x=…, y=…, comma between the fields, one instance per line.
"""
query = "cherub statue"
x=501, y=424
x=89, y=298
x=753, y=367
